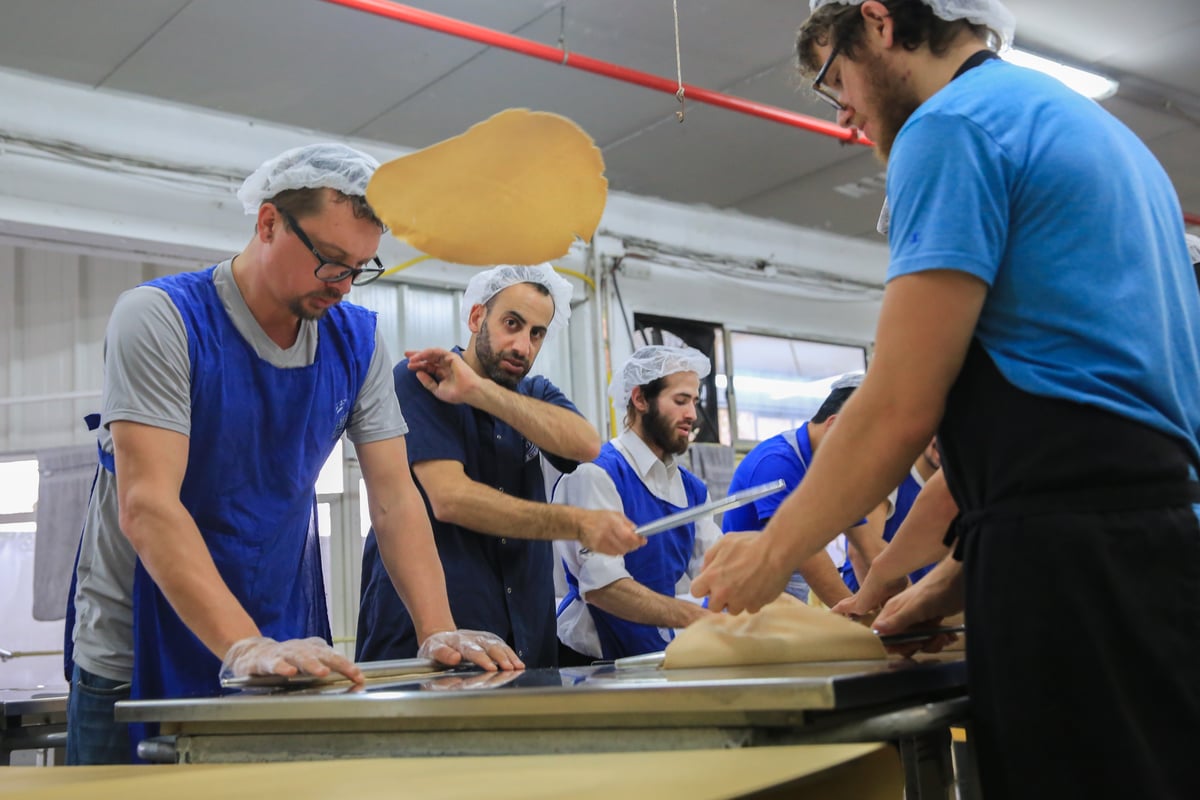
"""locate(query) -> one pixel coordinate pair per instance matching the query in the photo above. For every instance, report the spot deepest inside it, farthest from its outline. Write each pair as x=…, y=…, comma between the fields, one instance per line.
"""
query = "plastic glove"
x=486, y=650
x=260, y=655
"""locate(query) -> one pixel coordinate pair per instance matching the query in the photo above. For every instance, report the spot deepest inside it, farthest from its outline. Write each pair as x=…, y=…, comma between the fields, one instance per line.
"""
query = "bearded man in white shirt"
x=619, y=606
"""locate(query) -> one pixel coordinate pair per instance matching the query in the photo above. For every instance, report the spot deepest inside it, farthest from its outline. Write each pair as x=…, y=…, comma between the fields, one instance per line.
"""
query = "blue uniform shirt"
x=501, y=585
x=770, y=460
x=1114, y=319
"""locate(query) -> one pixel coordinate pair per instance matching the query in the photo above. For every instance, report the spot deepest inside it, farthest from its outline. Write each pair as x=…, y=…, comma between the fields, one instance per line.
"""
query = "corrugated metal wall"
x=54, y=306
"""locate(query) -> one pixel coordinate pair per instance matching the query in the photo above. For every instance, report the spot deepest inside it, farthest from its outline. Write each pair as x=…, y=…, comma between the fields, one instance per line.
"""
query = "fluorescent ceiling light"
x=1088, y=84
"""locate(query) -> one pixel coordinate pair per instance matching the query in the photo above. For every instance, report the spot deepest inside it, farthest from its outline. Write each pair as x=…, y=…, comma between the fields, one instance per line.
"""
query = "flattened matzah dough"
x=785, y=631
x=517, y=188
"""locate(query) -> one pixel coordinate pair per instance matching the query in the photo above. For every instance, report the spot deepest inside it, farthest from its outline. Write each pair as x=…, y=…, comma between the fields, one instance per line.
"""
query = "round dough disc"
x=518, y=188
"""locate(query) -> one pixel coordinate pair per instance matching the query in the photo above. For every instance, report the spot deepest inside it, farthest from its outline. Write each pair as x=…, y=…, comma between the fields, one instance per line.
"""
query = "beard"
x=490, y=360
x=662, y=432
x=297, y=306
x=893, y=102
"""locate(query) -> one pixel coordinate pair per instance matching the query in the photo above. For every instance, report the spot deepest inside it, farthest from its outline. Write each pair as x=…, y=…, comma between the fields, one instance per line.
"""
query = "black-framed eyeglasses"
x=823, y=93
x=333, y=271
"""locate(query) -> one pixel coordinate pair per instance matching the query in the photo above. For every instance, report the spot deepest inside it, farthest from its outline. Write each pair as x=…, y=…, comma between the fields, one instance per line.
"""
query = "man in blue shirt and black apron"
x=1041, y=313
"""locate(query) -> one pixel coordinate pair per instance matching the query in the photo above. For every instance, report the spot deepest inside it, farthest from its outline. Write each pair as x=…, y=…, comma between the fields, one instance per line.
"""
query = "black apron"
x=1081, y=555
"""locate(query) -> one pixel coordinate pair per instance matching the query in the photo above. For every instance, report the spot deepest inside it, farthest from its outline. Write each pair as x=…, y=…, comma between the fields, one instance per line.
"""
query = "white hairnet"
x=991, y=13
x=313, y=166
x=651, y=363
x=849, y=380
x=1193, y=243
x=489, y=283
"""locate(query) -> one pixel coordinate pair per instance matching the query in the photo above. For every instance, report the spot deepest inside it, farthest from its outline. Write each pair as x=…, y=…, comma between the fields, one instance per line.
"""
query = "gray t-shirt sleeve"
x=377, y=414
x=147, y=370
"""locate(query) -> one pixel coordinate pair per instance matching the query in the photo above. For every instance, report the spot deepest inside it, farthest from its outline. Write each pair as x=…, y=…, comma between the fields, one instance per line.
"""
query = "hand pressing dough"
x=785, y=631
x=517, y=188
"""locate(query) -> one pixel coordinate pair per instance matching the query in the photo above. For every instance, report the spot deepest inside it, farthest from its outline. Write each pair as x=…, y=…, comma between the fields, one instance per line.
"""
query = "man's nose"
x=522, y=344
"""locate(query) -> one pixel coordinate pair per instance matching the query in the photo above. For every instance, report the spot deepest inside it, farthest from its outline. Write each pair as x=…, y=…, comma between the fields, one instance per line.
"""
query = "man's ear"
x=832, y=418
x=264, y=227
x=639, y=400
x=878, y=22
x=476, y=317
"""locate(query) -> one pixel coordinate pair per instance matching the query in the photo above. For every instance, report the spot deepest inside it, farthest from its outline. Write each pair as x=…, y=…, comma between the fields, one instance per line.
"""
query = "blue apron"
x=658, y=565
x=906, y=495
x=259, y=436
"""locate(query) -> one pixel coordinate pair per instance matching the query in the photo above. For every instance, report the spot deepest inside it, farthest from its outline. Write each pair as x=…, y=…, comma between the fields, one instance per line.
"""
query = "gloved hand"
x=260, y=655
x=486, y=650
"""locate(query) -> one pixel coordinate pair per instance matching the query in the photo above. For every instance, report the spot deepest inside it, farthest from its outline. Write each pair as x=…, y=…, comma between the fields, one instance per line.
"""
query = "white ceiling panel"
x=608, y=110
x=80, y=42
x=498, y=80
x=1168, y=57
x=311, y=64
x=717, y=157
x=1100, y=29
x=815, y=202
x=721, y=40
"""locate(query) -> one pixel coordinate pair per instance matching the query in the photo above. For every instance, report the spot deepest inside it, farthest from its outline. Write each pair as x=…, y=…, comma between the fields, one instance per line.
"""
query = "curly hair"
x=915, y=25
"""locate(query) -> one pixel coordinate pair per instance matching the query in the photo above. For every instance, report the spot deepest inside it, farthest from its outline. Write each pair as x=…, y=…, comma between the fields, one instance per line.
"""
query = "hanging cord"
x=678, y=64
x=562, y=31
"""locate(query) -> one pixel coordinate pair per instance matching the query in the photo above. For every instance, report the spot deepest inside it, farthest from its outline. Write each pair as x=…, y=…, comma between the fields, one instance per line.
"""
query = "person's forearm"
x=842, y=486
x=171, y=548
x=866, y=541
x=480, y=508
x=552, y=428
x=823, y=578
x=630, y=600
x=410, y=556
x=918, y=542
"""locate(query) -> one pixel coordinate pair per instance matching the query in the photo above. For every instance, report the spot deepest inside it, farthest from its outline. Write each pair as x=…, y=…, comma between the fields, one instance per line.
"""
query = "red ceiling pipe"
x=506, y=41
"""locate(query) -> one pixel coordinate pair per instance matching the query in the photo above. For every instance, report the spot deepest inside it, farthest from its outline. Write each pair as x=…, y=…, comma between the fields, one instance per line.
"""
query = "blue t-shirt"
x=502, y=585
x=770, y=460
x=1009, y=176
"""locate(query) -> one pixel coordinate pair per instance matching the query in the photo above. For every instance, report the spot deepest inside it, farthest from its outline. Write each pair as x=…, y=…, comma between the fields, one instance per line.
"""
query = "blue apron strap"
x=572, y=592
x=106, y=459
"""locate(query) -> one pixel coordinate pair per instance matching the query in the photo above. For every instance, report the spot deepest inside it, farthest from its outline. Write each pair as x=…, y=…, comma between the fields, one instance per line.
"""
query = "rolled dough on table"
x=785, y=631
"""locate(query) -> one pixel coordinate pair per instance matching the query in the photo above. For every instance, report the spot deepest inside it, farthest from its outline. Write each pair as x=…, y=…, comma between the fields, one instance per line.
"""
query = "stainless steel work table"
x=587, y=709
x=31, y=719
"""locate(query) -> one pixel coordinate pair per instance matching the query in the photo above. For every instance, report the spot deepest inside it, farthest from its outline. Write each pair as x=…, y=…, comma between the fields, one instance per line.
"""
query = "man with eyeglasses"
x=481, y=425
x=225, y=391
x=1041, y=315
